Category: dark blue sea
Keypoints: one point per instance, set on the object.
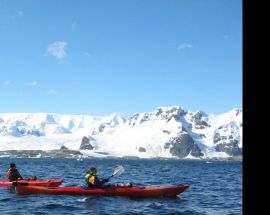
(216, 186)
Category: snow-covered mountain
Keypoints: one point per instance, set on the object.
(166, 132)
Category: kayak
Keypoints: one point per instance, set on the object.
(136, 192)
(44, 183)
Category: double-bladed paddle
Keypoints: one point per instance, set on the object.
(117, 171)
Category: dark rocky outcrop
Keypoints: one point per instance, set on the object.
(231, 148)
(172, 113)
(199, 122)
(100, 128)
(102, 153)
(85, 144)
(142, 149)
(183, 145)
(133, 119)
(228, 144)
(202, 135)
(166, 132)
(63, 147)
(160, 113)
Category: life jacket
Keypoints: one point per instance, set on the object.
(90, 180)
(13, 174)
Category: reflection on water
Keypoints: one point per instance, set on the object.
(90, 204)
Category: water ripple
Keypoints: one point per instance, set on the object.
(216, 187)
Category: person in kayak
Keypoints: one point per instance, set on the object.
(13, 174)
(92, 180)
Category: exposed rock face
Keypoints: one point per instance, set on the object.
(181, 132)
(183, 145)
(227, 141)
(63, 148)
(100, 128)
(85, 144)
(113, 122)
(142, 149)
(230, 148)
(171, 113)
(159, 114)
(166, 132)
(198, 119)
(133, 119)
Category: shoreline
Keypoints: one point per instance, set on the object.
(67, 153)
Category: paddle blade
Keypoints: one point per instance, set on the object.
(118, 170)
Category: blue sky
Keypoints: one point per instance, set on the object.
(101, 57)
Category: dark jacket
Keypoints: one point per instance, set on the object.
(13, 174)
(92, 181)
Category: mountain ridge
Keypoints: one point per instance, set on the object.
(169, 132)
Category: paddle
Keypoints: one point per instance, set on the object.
(117, 171)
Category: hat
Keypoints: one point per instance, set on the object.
(92, 170)
(12, 165)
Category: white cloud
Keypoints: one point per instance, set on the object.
(73, 25)
(20, 13)
(33, 83)
(6, 83)
(51, 92)
(57, 49)
(184, 46)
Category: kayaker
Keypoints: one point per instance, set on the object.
(13, 174)
(92, 180)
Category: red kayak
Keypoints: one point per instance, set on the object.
(44, 183)
(136, 192)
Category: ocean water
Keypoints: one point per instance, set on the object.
(216, 186)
